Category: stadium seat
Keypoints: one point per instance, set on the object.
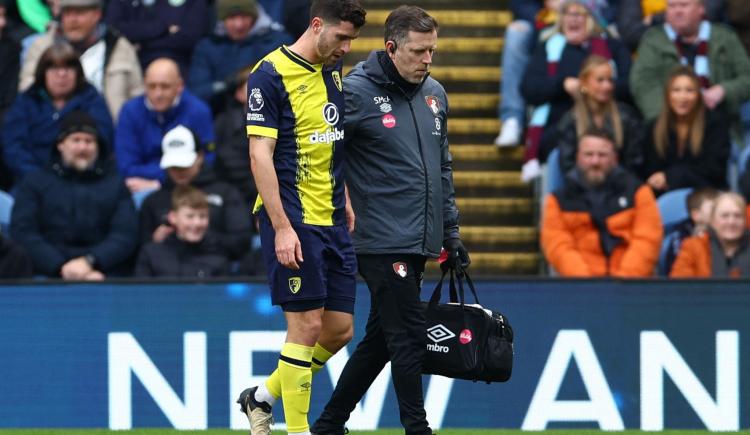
(6, 206)
(139, 196)
(673, 207)
(666, 245)
(743, 160)
(555, 178)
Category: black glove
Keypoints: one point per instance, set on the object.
(458, 256)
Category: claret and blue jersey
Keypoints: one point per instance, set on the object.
(301, 105)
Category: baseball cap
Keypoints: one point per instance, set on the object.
(80, 4)
(227, 8)
(179, 148)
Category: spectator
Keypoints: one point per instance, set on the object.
(75, 217)
(9, 66)
(687, 145)
(595, 106)
(109, 60)
(145, 119)
(183, 160)
(551, 79)
(190, 250)
(724, 250)
(700, 204)
(232, 157)
(14, 261)
(160, 28)
(250, 35)
(714, 52)
(31, 124)
(519, 37)
(636, 16)
(603, 222)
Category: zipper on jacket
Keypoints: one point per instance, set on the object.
(424, 169)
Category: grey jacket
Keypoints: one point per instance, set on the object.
(398, 168)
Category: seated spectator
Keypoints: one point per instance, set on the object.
(712, 50)
(551, 79)
(724, 250)
(603, 222)
(700, 204)
(249, 36)
(14, 261)
(232, 157)
(637, 16)
(519, 41)
(183, 159)
(9, 67)
(595, 106)
(687, 145)
(160, 28)
(31, 125)
(144, 120)
(75, 217)
(190, 250)
(109, 60)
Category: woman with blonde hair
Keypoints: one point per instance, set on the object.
(724, 250)
(688, 144)
(595, 106)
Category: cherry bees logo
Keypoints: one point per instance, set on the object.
(465, 337)
(433, 103)
(400, 269)
(295, 284)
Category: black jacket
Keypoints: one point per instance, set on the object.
(398, 165)
(60, 214)
(707, 169)
(177, 258)
(232, 159)
(229, 214)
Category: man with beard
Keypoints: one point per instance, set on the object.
(604, 221)
(295, 125)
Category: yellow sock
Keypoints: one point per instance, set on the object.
(295, 375)
(319, 358)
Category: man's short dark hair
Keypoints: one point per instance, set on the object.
(335, 11)
(404, 19)
(600, 133)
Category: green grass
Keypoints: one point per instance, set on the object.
(378, 432)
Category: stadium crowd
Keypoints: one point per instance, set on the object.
(123, 138)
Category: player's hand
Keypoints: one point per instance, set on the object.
(350, 217)
(288, 248)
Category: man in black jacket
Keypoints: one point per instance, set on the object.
(400, 183)
(182, 158)
(76, 218)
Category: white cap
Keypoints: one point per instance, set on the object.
(179, 148)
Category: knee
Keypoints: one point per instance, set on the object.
(346, 335)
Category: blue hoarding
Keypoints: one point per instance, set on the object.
(599, 354)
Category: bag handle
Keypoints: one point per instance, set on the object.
(455, 297)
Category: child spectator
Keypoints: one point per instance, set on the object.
(190, 251)
(700, 204)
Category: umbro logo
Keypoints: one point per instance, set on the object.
(439, 333)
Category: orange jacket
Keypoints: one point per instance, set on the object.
(571, 241)
(694, 258)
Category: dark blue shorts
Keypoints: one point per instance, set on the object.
(326, 279)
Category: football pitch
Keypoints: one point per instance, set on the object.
(376, 432)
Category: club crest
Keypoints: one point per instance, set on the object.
(400, 269)
(295, 284)
(337, 80)
(433, 104)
